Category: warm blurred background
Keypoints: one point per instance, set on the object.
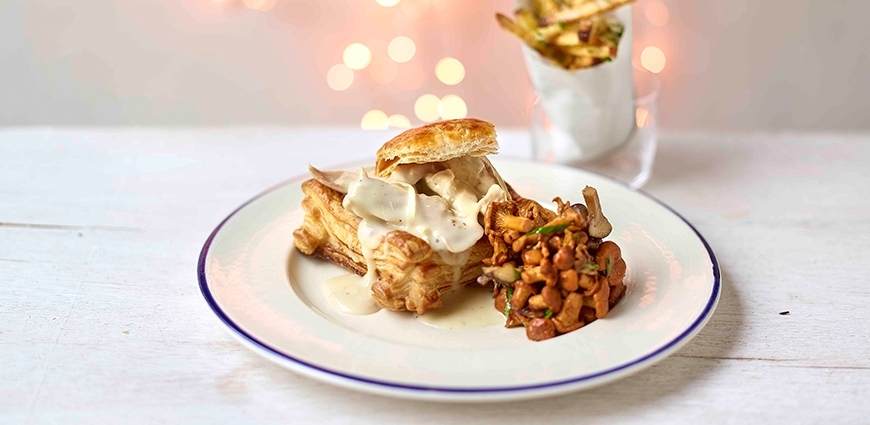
(737, 64)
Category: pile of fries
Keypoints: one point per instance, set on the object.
(572, 34)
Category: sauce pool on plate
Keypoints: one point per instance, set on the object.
(470, 307)
(349, 294)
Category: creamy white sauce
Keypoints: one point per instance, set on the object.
(410, 174)
(445, 223)
(469, 307)
(447, 217)
(348, 294)
(466, 308)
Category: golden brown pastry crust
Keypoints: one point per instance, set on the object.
(437, 142)
(411, 276)
(328, 230)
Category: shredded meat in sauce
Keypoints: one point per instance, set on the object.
(552, 272)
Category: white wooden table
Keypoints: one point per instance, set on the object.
(101, 319)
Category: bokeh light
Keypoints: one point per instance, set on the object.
(374, 120)
(268, 5)
(357, 56)
(450, 71)
(254, 4)
(339, 77)
(387, 3)
(398, 121)
(657, 13)
(653, 59)
(401, 49)
(427, 107)
(452, 107)
(640, 117)
(261, 5)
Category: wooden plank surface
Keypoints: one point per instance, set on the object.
(101, 319)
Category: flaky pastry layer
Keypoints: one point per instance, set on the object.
(411, 276)
(437, 142)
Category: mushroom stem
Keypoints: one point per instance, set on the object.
(520, 224)
(599, 227)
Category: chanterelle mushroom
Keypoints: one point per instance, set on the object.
(519, 215)
(553, 272)
(599, 227)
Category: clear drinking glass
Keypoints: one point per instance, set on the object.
(628, 159)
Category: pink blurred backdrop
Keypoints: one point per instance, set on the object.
(741, 64)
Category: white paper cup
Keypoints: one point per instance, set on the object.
(590, 111)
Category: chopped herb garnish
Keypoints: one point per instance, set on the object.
(517, 275)
(561, 25)
(590, 266)
(608, 59)
(507, 304)
(546, 230)
(607, 261)
(548, 314)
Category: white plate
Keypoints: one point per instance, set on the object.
(270, 297)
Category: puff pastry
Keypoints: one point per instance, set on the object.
(439, 167)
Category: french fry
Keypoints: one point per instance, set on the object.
(585, 30)
(551, 31)
(583, 10)
(584, 39)
(528, 37)
(535, 7)
(526, 19)
(590, 51)
(543, 8)
(580, 62)
(567, 39)
(610, 33)
(598, 25)
(512, 27)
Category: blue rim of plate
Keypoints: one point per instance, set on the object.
(690, 331)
